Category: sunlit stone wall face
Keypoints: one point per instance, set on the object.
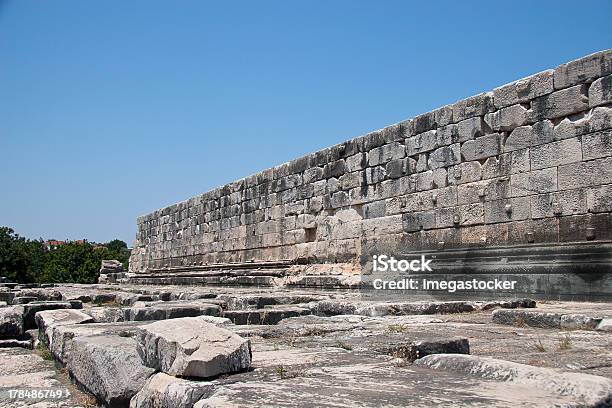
(527, 163)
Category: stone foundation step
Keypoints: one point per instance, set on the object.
(264, 316)
(589, 390)
(547, 320)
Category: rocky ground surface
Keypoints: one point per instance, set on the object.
(176, 346)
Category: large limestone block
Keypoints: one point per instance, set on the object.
(47, 319)
(11, 321)
(192, 347)
(30, 310)
(108, 367)
(165, 391)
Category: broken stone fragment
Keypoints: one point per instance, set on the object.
(11, 321)
(165, 391)
(108, 367)
(192, 347)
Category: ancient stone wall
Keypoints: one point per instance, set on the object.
(529, 163)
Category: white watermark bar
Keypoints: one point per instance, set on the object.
(450, 286)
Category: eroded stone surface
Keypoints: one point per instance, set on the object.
(191, 347)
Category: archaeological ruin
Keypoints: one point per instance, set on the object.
(516, 182)
(276, 290)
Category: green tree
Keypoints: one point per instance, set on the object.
(21, 260)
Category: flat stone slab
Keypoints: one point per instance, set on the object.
(545, 319)
(192, 347)
(47, 319)
(264, 316)
(25, 369)
(334, 307)
(297, 377)
(587, 389)
(30, 310)
(163, 390)
(108, 367)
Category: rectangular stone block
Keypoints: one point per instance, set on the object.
(507, 118)
(587, 227)
(513, 209)
(375, 209)
(350, 180)
(560, 103)
(469, 214)
(423, 123)
(598, 119)
(385, 153)
(383, 226)
(445, 156)
(600, 91)
(375, 174)
(556, 153)
(334, 169)
(482, 147)
(470, 128)
(476, 105)
(424, 181)
(356, 162)
(421, 143)
(485, 190)
(585, 174)
(524, 89)
(444, 197)
(533, 182)
(465, 172)
(440, 177)
(447, 135)
(517, 161)
(597, 145)
(444, 115)
(418, 202)
(400, 167)
(584, 69)
(599, 199)
(569, 202)
(416, 221)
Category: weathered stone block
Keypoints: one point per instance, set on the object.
(568, 202)
(465, 172)
(385, 153)
(418, 202)
(416, 221)
(420, 143)
(469, 214)
(424, 181)
(350, 180)
(585, 227)
(482, 147)
(444, 115)
(374, 210)
(585, 174)
(440, 177)
(597, 119)
(556, 153)
(356, 162)
(444, 197)
(517, 161)
(507, 210)
(470, 128)
(191, 347)
(584, 69)
(533, 182)
(476, 105)
(560, 103)
(524, 89)
(334, 169)
(599, 199)
(597, 145)
(424, 122)
(313, 174)
(447, 135)
(375, 174)
(600, 91)
(400, 167)
(507, 118)
(445, 156)
(485, 190)
(526, 136)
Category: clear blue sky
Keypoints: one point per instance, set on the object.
(112, 109)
